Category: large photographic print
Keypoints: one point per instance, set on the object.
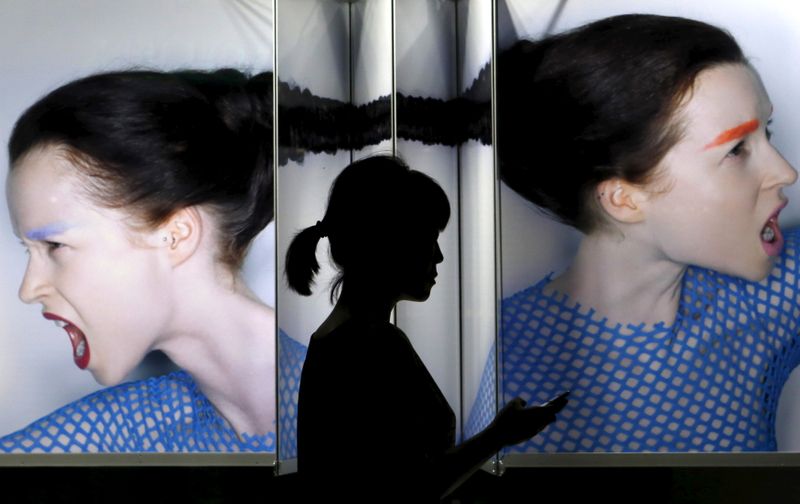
(137, 218)
(714, 375)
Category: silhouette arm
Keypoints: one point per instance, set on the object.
(513, 424)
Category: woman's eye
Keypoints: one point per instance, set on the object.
(52, 246)
(737, 150)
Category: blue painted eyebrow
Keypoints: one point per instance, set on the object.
(44, 232)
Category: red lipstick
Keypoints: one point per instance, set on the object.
(80, 345)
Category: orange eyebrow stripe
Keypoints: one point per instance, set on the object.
(734, 133)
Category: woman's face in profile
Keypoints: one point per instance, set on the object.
(718, 191)
(416, 270)
(93, 274)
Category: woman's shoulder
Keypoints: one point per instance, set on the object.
(355, 348)
(355, 332)
(533, 297)
(289, 345)
(788, 260)
(533, 290)
(792, 233)
(138, 395)
(791, 248)
(161, 390)
(105, 420)
(291, 355)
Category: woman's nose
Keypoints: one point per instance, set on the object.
(33, 284)
(782, 173)
(438, 257)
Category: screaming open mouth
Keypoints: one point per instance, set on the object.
(80, 346)
(770, 231)
(771, 236)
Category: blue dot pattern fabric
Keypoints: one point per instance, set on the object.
(709, 382)
(162, 414)
(291, 355)
(483, 408)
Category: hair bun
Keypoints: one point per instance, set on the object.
(156, 142)
(244, 105)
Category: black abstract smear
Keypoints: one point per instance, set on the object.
(309, 123)
(315, 124)
(451, 122)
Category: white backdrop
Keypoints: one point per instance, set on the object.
(44, 44)
(766, 31)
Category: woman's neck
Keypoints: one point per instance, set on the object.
(623, 278)
(225, 338)
(358, 304)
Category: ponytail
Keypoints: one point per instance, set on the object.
(301, 259)
(370, 200)
(244, 104)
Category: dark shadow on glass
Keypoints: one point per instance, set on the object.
(448, 122)
(316, 124)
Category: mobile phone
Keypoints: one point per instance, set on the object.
(562, 395)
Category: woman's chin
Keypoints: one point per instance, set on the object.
(755, 272)
(418, 296)
(106, 379)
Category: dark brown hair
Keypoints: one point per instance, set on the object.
(598, 102)
(153, 143)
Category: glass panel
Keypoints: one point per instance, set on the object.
(373, 72)
(477, 193)
(334, 74)
(426, 84)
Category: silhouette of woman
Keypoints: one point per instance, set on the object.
(364, 392)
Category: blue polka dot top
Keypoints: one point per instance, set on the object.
(708, 382)
(162, 414)
(167, 413)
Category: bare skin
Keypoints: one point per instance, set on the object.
(715, 192)
(131, 290)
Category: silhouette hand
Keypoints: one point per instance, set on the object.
(515, 423)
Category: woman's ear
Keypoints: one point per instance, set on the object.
(621, 200)
(181, 234)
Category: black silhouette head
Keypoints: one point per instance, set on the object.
(383, 220)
